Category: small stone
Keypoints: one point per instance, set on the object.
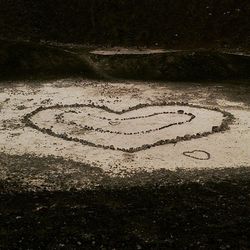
(178, 138)
(187, 137)
(215, 129)
(180, 111)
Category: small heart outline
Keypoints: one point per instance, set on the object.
(187, 154)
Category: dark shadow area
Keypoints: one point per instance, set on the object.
(171, 23)
(35, 61)
(200, 65)
(196, 209)
(27, 60)
(212, 215)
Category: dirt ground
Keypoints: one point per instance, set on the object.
(208, 210)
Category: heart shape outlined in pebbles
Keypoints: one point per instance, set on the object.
(198, 154)
(117, 130)
(126, 130)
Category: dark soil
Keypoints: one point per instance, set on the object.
(213, 215)
(199, 209)
(171, 23)
(27, 60)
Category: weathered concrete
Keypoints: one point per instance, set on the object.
(225, 143)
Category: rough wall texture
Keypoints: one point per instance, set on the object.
(30, 60)
(190, 23)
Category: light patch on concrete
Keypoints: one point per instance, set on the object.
(227, 149)
(129, 51)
